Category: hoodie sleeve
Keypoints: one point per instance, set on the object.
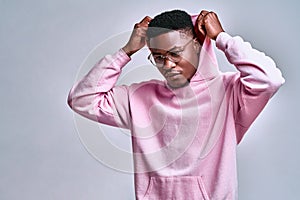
(96, 97)
(258, 80)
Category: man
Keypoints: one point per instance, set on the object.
(185, 129)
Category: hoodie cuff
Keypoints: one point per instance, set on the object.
(221, 40)
(124, 55)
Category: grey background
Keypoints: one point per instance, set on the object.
(42, 45)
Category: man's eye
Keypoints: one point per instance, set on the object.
(158, 58)
(175, 54)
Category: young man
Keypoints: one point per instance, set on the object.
(185, 129)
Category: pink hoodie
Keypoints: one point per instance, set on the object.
(184, 140)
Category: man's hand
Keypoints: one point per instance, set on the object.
(208, 24)
(138, 37)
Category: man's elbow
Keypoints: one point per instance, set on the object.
(70, 101)
(276, 81)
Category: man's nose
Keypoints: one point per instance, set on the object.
(169, 64)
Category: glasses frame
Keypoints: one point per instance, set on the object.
(167, 56)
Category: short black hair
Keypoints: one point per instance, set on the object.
(170, 20)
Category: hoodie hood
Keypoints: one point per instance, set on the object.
(208, 65)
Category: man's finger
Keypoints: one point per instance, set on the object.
(201, 16)
(146, 20)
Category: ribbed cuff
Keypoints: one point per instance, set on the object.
(124, 55)
(221, 40)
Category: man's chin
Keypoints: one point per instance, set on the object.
(177, 85)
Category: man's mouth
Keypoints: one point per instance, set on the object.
(172, 73)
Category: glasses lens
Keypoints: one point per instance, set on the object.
(159, 59)
(156, 60)
(174, 56)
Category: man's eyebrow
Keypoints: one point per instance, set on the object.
(174, 48)
(170, 50)
(156, 53)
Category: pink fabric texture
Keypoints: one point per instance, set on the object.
(184, 140)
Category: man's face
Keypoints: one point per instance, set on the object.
(176, 55)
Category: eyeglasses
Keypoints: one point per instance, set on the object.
(175, 56)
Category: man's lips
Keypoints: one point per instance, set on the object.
(172, 73)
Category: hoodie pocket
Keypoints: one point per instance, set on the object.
(176, 188)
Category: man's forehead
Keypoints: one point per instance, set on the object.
(168, 40)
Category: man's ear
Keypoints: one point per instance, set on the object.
(200, 31)
(200, 36)
(147, 41)
(197, 45)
